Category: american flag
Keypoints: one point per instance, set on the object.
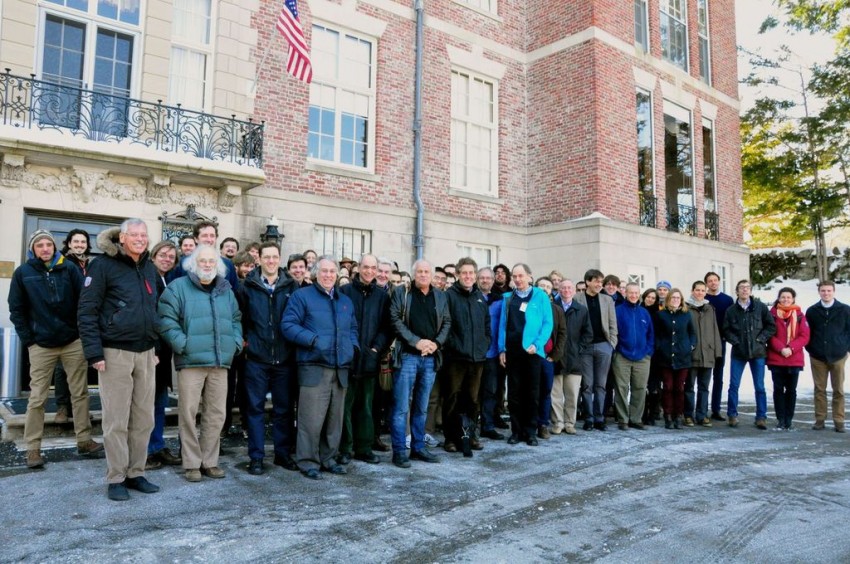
(289, 25)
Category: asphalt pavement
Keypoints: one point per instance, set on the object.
(700, 494)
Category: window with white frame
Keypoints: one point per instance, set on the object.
(88, 44)
(341, 241)
(482, 255)
(709, 188)
(674, 32)
(342, 98)
(483, 5)
(642, 25)
(678, 169)
(474, 134)
(724, 271)
(704, 45)
(191, 54)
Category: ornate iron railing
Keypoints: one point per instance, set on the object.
(36, 104)
(712, 225)
(682, 219)
(648, 209)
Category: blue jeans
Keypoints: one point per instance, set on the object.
(279, 379)
(413, 380)
(697, 406)
(737, 371)
(157, 440)
(547, 378)
(595, 365)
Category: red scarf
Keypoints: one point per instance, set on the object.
(790, 314)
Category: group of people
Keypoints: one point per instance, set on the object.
(446, 343)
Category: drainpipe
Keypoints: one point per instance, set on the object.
(419, 234)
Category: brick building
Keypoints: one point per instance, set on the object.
(566, 133)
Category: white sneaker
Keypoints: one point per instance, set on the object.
(430, 441)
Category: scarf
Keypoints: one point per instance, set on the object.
(692, 301)
(790, 315)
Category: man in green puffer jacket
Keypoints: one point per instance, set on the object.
(200, 319)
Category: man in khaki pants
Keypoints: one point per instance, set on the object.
(43, 299)
(117, 321)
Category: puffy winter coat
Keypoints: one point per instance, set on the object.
(323, 327)
(372, 311)
(635, 334)
(203, 328)
(779, 341)
(118, 301)
(43, 302)
(748, 330)
(709, 346)
(675, 338)
(469, 337)
(262, 312)
(829, 327)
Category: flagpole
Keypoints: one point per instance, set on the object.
(261, 65)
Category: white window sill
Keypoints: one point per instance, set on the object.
(474, 196)
(475, 9)
(330, 168)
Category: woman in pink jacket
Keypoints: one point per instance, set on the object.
(785, 354)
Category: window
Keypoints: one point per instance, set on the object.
(191, 53)
(712, 223)
(342, 99)
(723, 269)
(645, 159)
(80, 47)
(641, 25)
(704, 45)
(341, 241)
(482, 255)
(678, 169)
(474, 141)
(483, 5)
(674, 32)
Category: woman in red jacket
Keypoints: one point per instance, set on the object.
(785, 354)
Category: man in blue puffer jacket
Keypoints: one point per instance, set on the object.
(320, 321)
(635, 345)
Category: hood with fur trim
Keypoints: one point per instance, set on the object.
(108, 242)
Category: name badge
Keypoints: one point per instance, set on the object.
(523, 306)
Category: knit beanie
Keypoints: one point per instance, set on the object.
(38, 235)
(664, 284)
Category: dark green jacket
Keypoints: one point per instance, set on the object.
(204, 328)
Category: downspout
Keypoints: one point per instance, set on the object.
(419, 234)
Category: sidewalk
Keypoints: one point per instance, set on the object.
(718, 494)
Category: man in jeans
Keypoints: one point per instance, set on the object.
(43, 299)
(421, 321)
(748, 326)
(829, 323)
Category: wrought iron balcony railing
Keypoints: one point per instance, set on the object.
(682, 219)
(35, 104)
(647, 208)
(712, 225)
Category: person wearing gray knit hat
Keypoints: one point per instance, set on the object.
(37, 236)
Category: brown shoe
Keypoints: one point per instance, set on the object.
(34, 459)
(706, 422)
(475, 444)
(214, 472)
(819, 425)
(570, 430)
(152, 463)
(761, 424)
(380, 445)
(89, 448)
(543, 432)
(192, 475)
(61, 415)
(839, 427)
(166, 457)
(732, 421)
(449, 446)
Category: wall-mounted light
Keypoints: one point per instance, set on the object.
(272, 233)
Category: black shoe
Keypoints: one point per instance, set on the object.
(501, 424)
(285, 461)
(401, 460)
(368, 457)
(117, 492)
(343, 458)
(140, 483)
(255, 467)
(337, 469)
(531, 441)
(588, 426)
(312, 473)
(600, 426)
(717, 417)
(622, 426)
(424, 455)
(513, 439)
(493, 434)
